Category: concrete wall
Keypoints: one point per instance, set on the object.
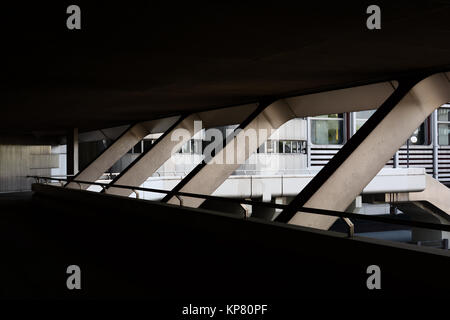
(16, 162)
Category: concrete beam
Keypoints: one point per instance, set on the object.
(208, 176)
(151, 160)
(118, 148)
(335, 101)
(342, 100)
(359, 98)
(363, 156)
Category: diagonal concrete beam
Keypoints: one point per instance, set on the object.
(151, 160)
(206, 178)
(118, 148)
(160, 151)
(363, 156)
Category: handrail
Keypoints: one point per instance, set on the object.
(340, 214)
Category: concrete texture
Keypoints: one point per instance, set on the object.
(348, 181)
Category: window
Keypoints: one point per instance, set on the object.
(262, 148)
(327, 129)
(193, 146)
(137, 148)
(283, 146)
(420, 133)
(272, 146)
(444, 126)
(186, 148)
(147, 144)
(362, 116)
(196, 146)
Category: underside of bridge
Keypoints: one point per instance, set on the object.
(168, 74)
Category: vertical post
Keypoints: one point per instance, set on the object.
(352, 124)
(308, 142)
(396, 160)
(72, 151)
(407, 153)
(435, 142)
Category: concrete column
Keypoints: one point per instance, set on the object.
(118, 148)
(72, 152)
(207, 177)
(358, 162)
(355, 206)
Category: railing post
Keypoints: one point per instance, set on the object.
(351, 227)
(308, 142)
(180, 199)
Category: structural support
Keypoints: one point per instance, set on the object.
(128, 139)
(163, 148)
(363, 156)
(207, 178)
(150, 160)
(72, 152)
(209, 175)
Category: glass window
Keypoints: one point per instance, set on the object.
(271, 146)
(444, 126)
(444, 134)
(262, 148)
(138, 148)
(198, 146)
(281, 146)
(444, 114)
(287, 147)
(362, 116)
(331, 116)
(193, 146)
(327, 129)
(186, 148)
(420, 137)
(295, 146)
(147, 144)
(419, 133)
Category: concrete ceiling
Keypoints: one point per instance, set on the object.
(139, 62)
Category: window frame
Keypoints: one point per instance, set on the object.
(344, 126)
(447, 122)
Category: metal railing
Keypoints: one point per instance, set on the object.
(345, 216)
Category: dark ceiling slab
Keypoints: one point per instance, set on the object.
(138, 62)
